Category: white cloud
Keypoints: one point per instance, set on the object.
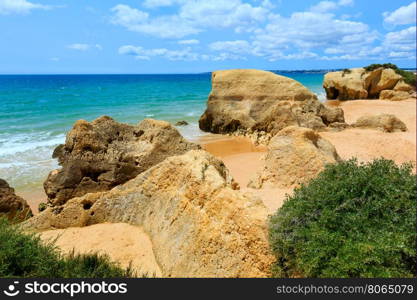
(186, 54)
(19, 7)
(316, 33)
(139, 21)
(128, 16)
(54, 59)
(398, 55)
(323, 6)
(146, 54)
(220, 13)
(326, 6)
(226, 56)
(401, 41)
(160, 3)
(395, 45)
(238, 46)
(346, 2)
(188, 42)
(402, 16)
(84, 47)
(304, 31)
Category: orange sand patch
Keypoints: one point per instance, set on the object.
(123, 243)
(244, 160)
(367, 144)
(33, 197)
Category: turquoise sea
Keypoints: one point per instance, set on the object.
(36, 111)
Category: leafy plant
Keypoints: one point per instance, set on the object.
(353, 220)
(346, 71)
(25, 255)
(42, 206)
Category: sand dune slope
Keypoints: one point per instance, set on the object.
(123, 243)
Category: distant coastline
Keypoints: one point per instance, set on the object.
(306, 71)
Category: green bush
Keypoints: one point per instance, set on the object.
(346, 71)
(42, 206)
(408, 77)
(25, 255)
(353, 220)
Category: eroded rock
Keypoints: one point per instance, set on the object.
(393, 95)
(383, 122)
(200, 224)
(295, 155)
(100, 155)
(357, 83)
(12, 206)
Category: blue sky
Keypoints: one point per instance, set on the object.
(188, 36)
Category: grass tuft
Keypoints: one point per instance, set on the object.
(26, 255)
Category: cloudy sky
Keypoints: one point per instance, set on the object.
(187, 36)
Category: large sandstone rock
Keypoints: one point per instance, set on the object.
(360, 84)
(387, 81)
(295, 155)
(383, 122)
(100, 155)
(12, 206)
(393, 95)
(404, 87)
(253, 100)
(345, 85)
(199, 223)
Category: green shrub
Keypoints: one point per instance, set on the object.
(25, 255)
(346, 71)
(353, 220)
(42, 206)
(408, 77)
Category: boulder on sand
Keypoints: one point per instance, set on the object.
(358, 83)
(383, 122)
(345, 85)
(100, 155)
(12, 206)
(254, 100)
(393, 95)
(295, 155)
(200, 225)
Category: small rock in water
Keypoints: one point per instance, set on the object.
(181, 123)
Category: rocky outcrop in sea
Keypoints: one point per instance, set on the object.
(260, 101)
(358, 83)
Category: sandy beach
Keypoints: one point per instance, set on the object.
(367, 144)
(126, 244)
(130, 244)
(244, 159)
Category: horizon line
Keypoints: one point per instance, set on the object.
(191, 73)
